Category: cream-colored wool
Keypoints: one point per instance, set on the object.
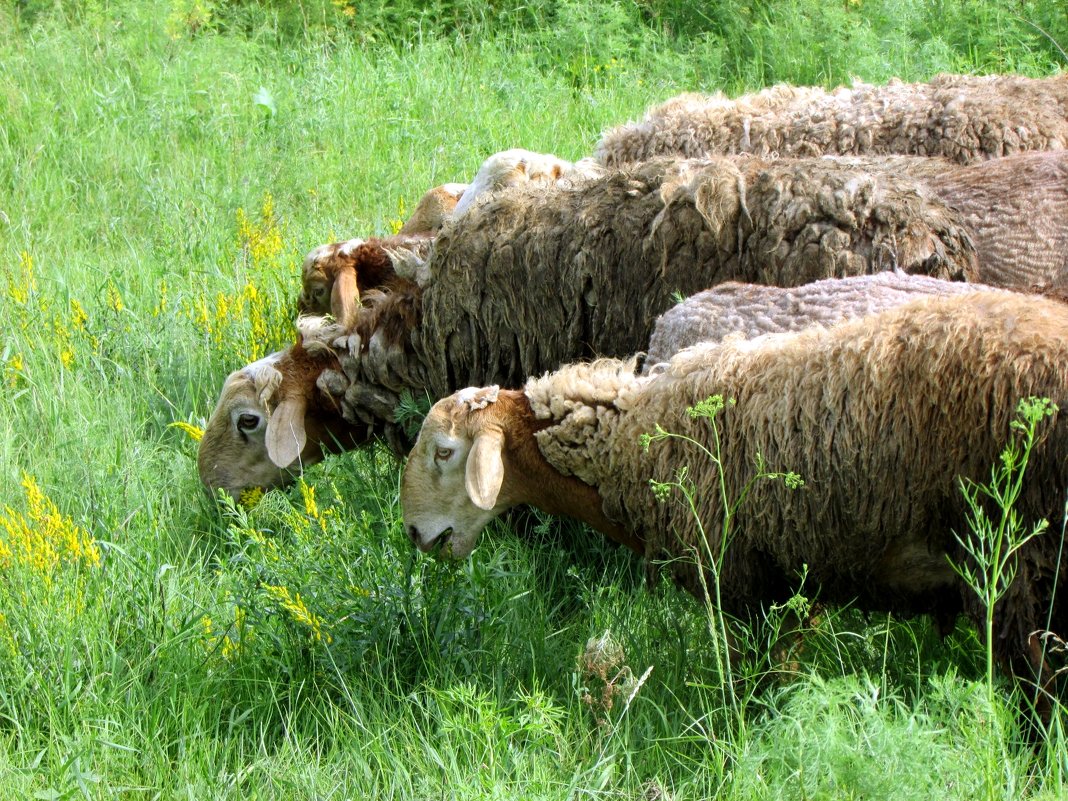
(964, 118)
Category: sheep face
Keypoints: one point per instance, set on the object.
(452, 482)
(261, 432)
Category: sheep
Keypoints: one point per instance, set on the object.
(880, 416)
(965, 118)
(532, 278)
(517, 166)
(751, 310)
(1015, 210)
(273, 417)
(333, 276)
(433, 209)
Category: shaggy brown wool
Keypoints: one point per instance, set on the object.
(538, 276)
(965, 118)
(879, 416)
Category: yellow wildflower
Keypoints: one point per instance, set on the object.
(298, 610)
(114, 298)
(195, 433)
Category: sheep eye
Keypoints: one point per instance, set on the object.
(441, 454)
(248, 422)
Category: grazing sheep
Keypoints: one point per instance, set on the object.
(433, 209)
(965, 118)
(274, 416)
(531, 279)
(880, 416)
(752, 310)
(334, 276)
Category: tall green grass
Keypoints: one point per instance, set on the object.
(161, 176)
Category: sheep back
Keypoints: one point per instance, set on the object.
(752, 310)
(539, 276)
(965, 118)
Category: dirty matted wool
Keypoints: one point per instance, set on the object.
(964, 118)
(879, 416)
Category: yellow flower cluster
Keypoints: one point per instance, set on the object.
(398, 222)
(13, 368)
(195, 433)
(22, 283)
(298, 611)
(229, 647)
(346, 7)
(247, 323)
(262, 241)
(42, 539)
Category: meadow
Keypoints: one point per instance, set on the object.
(164, 168)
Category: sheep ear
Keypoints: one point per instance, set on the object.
(485, 469)
(285, 432)
(344, 296)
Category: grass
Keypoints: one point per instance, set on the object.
(160, 182)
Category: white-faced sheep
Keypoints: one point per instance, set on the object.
(965, 118)
(881, 417)
(274, 416)
(751, 310)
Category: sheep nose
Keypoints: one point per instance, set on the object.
(413, 535)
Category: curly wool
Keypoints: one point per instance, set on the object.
(965, 118)
(537, 276)
(751, 310)
(878, 415)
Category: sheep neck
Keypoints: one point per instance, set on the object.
(530, 479)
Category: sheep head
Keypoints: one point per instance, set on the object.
(273, 418)
(335, 276)
(433, 209)
(454, 481)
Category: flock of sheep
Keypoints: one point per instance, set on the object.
(875, 276)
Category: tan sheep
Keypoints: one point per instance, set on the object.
(274, 417)
(880, 416)
(433, 209)
(965, 118)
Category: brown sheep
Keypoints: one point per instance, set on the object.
(433, 209)
(334, 276)
(274, 416)
(880, 416)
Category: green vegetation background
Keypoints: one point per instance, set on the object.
(163, 169)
